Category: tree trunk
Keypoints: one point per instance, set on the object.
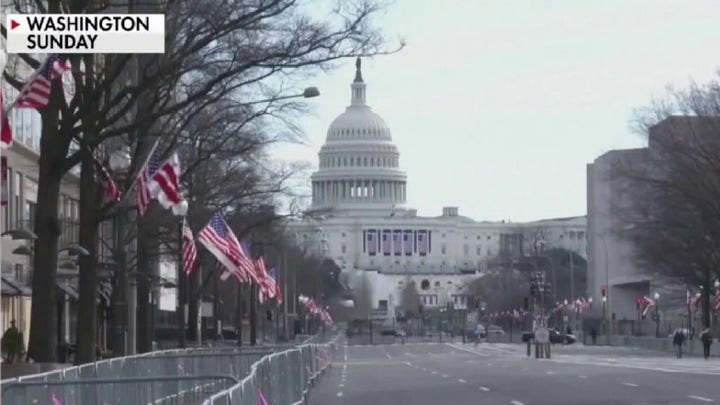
(87, 305)
(53, 149)
(145, 329)
(193, 303)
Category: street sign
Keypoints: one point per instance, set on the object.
(542, 335)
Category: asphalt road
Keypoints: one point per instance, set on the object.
(455, 374)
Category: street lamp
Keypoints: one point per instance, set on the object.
(123, 305)
(308, 92)
(180, 210)
(657, 315)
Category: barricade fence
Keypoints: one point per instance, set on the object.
(280, 378)
(178, 376)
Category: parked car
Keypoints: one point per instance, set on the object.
(494, 330)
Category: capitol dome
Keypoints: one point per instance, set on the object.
(359, 165)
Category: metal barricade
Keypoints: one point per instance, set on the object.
(283, 377)
(178, 376)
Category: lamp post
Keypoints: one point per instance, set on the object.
(123, 324)
(308, 92)
(565, 320)
(657, 315)
(180, 210)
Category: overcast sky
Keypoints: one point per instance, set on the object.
(497, 106)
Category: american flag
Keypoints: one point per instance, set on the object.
(36, 92)
(717, 300)
(220, 240)
(189, 250)
(386, 244)
(422, 242)
(272, 288)
(225, 274)
(146, 173)
(277, 291)
(397, 243)
(112, 192)
(261, 274)
(164, 185)
(371, 243)
(407, 243)
(5, 130)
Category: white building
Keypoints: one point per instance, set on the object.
(360, 219)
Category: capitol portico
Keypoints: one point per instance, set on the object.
(360, 219)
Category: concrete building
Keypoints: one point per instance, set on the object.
(360, 219)
(611, 259)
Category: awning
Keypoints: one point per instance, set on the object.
(13, 288)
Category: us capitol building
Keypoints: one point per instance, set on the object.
(360, 219)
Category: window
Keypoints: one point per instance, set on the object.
(425, 284)
(343, 249)
(365, 161)
(442, 249)
(489, 252)
(466, 249)
(437, 284)
(343, 234)
(489, 237)
(479, 250)
(477, 237)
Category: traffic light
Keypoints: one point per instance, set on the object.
(533, 289)
(526, 303)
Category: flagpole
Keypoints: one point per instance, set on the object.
(147, 159)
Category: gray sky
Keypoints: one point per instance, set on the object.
(497, 106)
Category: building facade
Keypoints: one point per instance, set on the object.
(611, 262)
(359, 218)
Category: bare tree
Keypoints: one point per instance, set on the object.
(532, 239)
(671, 190)
(363, 297)
(501, 290)
(410, 298)
(215, 48)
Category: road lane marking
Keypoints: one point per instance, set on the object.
(700, 398)
(489, 364)
(445, 376)
(461, 380)
(339, 394)
(630, 384)
(582, 376)
(486, 389)
(516, 403)
(434, 372)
